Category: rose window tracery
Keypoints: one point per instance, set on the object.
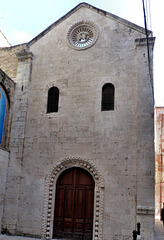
(82, 35)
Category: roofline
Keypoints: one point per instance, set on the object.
(120, 20)
(95, 9)
(13, 46)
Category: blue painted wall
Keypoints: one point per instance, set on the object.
(2, 113)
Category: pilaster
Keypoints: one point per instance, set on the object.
(145, 137)
(22, 91)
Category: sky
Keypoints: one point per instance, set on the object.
(22, 20)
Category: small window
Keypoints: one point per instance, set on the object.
(107, 97)
(53, 100)
(3, 115)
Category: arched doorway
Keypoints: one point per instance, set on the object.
(73, 217)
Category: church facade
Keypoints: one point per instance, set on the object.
(77, 143)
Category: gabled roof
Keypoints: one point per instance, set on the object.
(97, 10)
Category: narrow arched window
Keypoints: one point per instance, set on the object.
(107, 97)
(53, 100)
(3, 115)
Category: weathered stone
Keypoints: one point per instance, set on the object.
(115, 147)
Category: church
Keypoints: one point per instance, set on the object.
(77, 130)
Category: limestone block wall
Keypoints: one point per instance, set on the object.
(4, 160)
(145, 134)
(8, 59)
(8, 85)
(17, 140)
(116, 143)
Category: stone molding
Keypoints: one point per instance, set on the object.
(143, 41)
(144, 210)
(24, 55)
(49, 195)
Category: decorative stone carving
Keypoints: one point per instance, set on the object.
(49, 196)
(82, 35)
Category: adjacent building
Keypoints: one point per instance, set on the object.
(159, 161)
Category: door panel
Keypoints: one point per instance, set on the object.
(59, 211)
(89, 204)
(67, 179)
(73, 218)
(89, 211)
(79, 213)
(68, 210)
(84, 179)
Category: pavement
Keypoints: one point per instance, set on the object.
(7, 237)
(159, 230)
(158, 233)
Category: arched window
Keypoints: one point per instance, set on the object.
(3, 114)
(107, 97)
(53, 100)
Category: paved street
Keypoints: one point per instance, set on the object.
(159, 230)
(159, 233)
(5, 237)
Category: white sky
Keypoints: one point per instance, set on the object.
(20, 21)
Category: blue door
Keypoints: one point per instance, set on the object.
(2, 114)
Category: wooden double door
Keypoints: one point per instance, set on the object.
(73, 217)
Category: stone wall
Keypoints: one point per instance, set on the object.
(8, 86)
(4, 160)
(8, 59)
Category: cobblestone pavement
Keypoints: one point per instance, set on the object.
(158, 234)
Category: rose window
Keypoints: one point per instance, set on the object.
(82, 35)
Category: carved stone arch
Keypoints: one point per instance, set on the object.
(8, 86)
(50, 189)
